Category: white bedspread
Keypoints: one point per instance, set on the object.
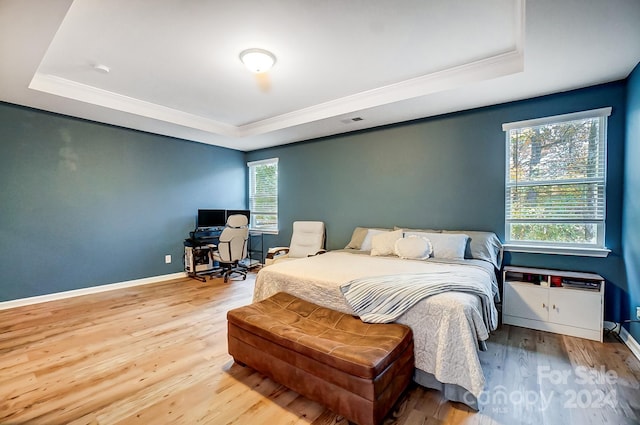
(446, 327)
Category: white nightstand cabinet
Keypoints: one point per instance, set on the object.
(531, 302)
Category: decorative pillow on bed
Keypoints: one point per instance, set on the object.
(359, 233)
(445, 245)
(366, 243)
(413, 248)
(384, 243)
(482, 246)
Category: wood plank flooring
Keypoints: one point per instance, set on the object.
(157, 354)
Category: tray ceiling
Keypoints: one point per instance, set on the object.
(173, 67)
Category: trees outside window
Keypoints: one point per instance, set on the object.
(556, 180)
(263, 194)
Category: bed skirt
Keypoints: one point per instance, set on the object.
(450, 392)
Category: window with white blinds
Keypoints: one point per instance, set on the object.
(556, 180)
(263, 194)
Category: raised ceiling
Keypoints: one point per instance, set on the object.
(174, 67)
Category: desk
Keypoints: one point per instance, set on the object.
(255, 249)
(197, 254)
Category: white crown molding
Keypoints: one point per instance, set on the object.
(493, 67)
(499, 65)
(73, 90)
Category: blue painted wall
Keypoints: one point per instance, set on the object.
(85, 204)
(442, 172)
(631, 216)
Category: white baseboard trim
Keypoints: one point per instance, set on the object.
(630, 342)
(4, 305)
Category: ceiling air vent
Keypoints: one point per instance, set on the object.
(351, 120)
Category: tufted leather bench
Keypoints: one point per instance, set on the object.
(356, 369)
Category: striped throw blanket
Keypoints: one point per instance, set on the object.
(382, 299)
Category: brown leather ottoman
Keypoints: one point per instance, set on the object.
(356, 369)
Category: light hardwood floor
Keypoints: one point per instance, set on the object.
(157, 354)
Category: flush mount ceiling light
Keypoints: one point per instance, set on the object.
(257, 60)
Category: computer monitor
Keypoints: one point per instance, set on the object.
(246, 213)
(211, 218)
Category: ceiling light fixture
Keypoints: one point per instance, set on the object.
(257, 60)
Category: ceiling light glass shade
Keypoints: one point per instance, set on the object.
(257, 60)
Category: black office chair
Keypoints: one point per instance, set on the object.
(232, 247)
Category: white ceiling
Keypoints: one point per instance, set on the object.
(175, 70)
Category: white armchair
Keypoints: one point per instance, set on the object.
(307, 240)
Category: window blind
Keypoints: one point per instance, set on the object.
(263, 194)
(556, 180)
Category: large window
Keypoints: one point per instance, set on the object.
(263, 194)
(556, 181)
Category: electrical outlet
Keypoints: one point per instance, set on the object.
(167, 259)
(638, 313)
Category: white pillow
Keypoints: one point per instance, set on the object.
(366, 243)
(413, 248)
(384, 243)
(445, 245)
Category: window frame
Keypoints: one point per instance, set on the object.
(598, 249)
(252, 168)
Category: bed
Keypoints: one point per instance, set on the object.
(449, 328)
